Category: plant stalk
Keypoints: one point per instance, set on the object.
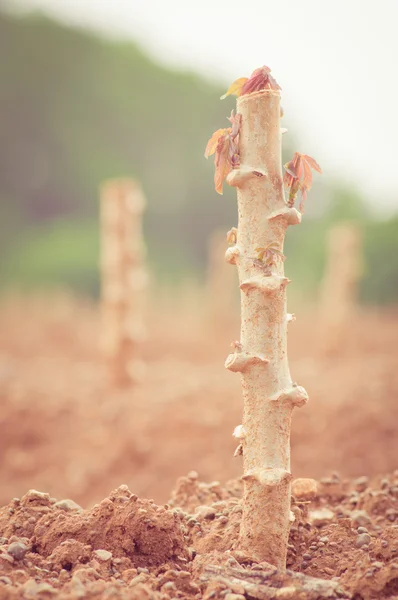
(269, 393)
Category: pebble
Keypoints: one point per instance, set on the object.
(68, 505)
(17, 550)
(231, 596)
(305, 489)
(360, 517)
(362, 530)
(361, 483)
(307, 556)
(223, 520)
(205, 512)
(103, 555)
(321, 517)
(363, 539)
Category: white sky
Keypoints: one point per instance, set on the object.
(336, 62)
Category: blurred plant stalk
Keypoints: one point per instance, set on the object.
(124, 279)
(339, 289)
(220, 285)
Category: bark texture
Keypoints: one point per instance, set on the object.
(269, 393)
(124, 278)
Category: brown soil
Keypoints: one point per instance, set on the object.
(128, 548)
(66, 430)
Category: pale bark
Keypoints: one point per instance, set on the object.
(269, 393)
(124, 278)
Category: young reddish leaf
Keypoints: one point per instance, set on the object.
(224, 143)
(235, 88)
(222, 161)
(307, 177)
(260, 79)
(298, 177)
(268, 254)
(213, 141)
(236, 121)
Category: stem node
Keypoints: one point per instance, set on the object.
(296, 395)
(232, 254)
(240, 362)
(291, 215)
(238, 177)
(268, 477)
(268, 285)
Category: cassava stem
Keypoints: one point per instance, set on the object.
(269, 393)
(124, 278)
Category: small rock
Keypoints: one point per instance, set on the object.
(103, 555)
(305, 489)
(361, 483)
(234, 597)
(17, 550)
(205, 512)
(362, 530)
(363, 539)
(320, 517)
(6, 580)
(32, 589)
(286, 593)
(68, 505)
(36, 498)
(360, 518)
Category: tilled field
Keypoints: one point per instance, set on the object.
(65, 430)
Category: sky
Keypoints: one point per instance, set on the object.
(335, 61)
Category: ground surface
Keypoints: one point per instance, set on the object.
(65, 430)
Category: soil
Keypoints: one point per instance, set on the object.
(66, 430)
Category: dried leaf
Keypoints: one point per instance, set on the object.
(232, 236)
(235, 89)
(213, 141)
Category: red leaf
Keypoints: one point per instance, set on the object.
(298, 177)
(259, 80)
(223, 162)
(307, 179)
(312, 162)
(225, 144)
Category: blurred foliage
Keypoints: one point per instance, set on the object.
(76, 109)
